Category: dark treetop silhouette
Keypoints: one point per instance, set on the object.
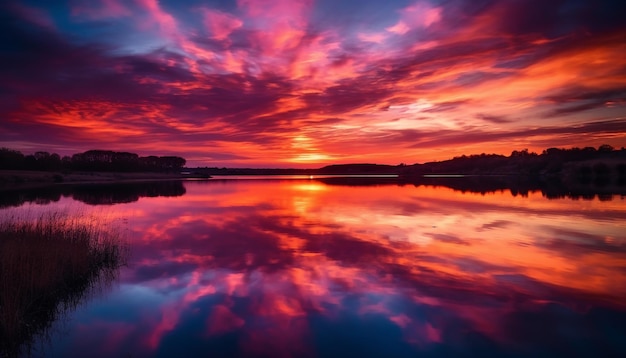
(584, 165)
(91, 160)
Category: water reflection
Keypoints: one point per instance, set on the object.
(303, 268)
(93, 194)
(551, 188)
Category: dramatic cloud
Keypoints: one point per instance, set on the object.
(306, 83)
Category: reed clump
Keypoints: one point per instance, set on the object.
(47, 266)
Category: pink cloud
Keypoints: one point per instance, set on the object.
(220, 24)
(418, 15)
(170, 31)
(377, 38)
(277, 25)
(223, 320)
(166, 22)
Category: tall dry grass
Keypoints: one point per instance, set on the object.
(47, 266)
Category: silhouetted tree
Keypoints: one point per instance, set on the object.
(106, 160)
(170, 163)
(605, 148)
(11, 159)
(521, 153)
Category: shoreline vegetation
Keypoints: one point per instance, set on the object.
(93, 166)
(600, 166)
(556, 172)
(48, 266)
(582, 162)
(33, 178)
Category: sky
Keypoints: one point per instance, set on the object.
(286, 83)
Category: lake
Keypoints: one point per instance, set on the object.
(314, 268)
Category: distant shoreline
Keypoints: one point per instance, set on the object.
(601, 167)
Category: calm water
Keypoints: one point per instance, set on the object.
(305, 269)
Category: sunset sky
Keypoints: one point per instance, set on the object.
(287, 83)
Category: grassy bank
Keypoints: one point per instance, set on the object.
(47, 266)
(20, 178)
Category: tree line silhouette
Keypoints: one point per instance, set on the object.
(585, 164)
(550, 161)
(91, 160)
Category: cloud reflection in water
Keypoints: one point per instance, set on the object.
(300, 268)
